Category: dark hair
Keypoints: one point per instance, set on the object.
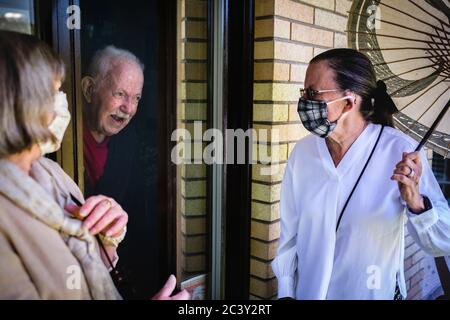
(28, 70)
(354, 72)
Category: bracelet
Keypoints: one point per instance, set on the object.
(113, 241)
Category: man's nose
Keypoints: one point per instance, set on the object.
(127, 106)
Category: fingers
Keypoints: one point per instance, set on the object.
(104, 221)
(116, 228)
(96, 213)
(182, 295)
(167, 289)
(403, 179)
(92, 202)
(71, 208)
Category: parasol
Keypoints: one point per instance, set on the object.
(408, 41)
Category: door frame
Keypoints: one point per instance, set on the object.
(51, 17)
(238, 114)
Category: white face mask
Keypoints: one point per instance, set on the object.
(59, 125)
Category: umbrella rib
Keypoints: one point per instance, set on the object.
(415, 69)
(422, 94)
(396, 24)
(390, 49)
(432, 15)
(411, 16)
(393, 37)
(401, 60)
(432, 104)
(409, 84)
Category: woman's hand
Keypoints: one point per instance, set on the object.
(101, 214)
(407, 173)
(166, 291)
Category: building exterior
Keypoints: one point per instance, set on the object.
(211, 64)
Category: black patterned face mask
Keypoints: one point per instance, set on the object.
(314, 116)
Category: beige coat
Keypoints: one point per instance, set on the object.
(35, 262)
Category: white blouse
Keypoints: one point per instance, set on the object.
(364, 259)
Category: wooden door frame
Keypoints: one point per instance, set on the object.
(51, 27)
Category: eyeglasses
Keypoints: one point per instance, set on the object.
(311, 93)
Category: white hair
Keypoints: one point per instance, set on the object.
(104, 59)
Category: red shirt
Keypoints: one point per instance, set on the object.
(95, 155)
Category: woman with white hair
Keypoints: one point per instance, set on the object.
(48, 248)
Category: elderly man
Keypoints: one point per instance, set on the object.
(113, 164)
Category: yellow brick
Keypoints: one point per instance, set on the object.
(193, 188)
(272, 27)
(195, 51)
(270, 112)
(194, 71)
(194, 111)
(318, 51)
(269, 153)
(330, 20)
(264, 8)
(343, 6)
(326, 4)
(279, 133)
(264, 231)
(263, 250)
(264, 28)
(265, 212)
(195, 9)
(267, 193)
(264, 289)
(285, 92)
(293, 113)
(294, 10)
(264, 50)
(193, 207)
(194, 263)
(191, 226)
(269, 173)
(298, 72)
(276, 92)
(261, 269)
(195, 29)
(196, 91)
(292, 52)
(340, 40)
(312, 35)
(193, 171)
(193, 244)
(271, 71)
(191, 127)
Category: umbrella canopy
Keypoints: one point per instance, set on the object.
(408, 41)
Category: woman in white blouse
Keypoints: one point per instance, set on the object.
(334, 246)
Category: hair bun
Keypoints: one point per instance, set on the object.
(383, 101)
(381, 86)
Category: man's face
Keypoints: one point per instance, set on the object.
(115, 98)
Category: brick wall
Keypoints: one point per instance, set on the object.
(192, 106)
(288, 34)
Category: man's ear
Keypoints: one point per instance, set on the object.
(87, 87)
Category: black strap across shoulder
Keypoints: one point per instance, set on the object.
(359, 178)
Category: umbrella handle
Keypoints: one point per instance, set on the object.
(435, 123)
